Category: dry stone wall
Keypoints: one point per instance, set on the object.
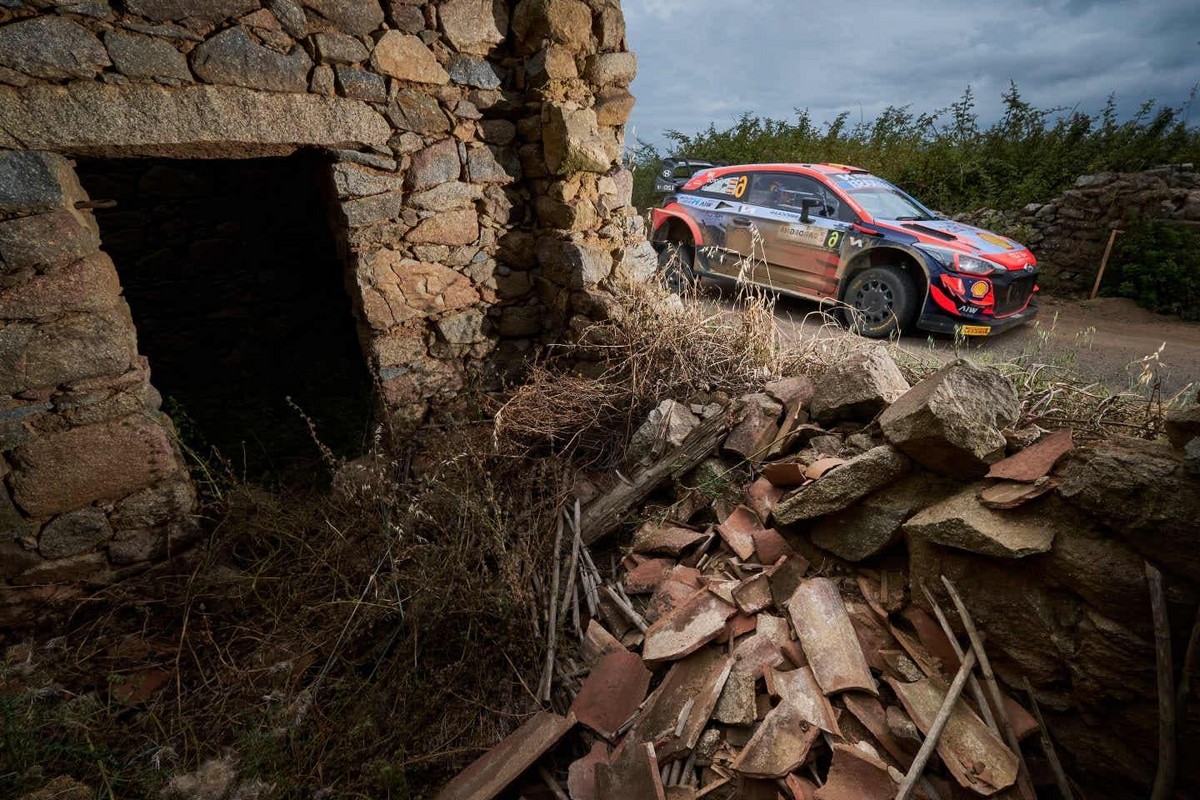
(479, 202)
(1069, 233)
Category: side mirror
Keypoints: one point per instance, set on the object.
(807, 205)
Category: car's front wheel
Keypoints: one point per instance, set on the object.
(676, 262)
(881, 301)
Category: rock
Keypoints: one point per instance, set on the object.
(1191, 458)
(403, 56)
(41, 240)
(172, 10)
(491, 165)
(418, 112)
(845, 485)
(472, 71)
(396, 289)
(571, 140)
(1183, 425)
(321, 81)
(636, 263)
(567, 22)
(370, 210)
(962, 522)
(858, 388)
(89, 284)
(607, 69)
(474, 26)
(146, 57)
(757, 429)
(359, 84)
(614, 106)
(146, 118)
(453, 228)
(232, 57)
(73, 533)
(68, 349)
(52, 47)
(138, 546)
(58, 472)
(551, 64)
(358, 17)
(339, 48)
(290, 16)
(434, 165)
(870, 527)
(445, 196)
(665, 428)
(352, 180)
(574, 264)
(951, 422)
(153, 506)
(31, 181)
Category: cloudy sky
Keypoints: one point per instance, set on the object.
(705, 61)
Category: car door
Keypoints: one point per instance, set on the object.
(799, 252)
(715, 206)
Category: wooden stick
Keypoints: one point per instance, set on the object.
(1060, 775)
(972, 682)
(1164, 779)
(935, 730)
(1189, 665)
(1112, 237)
(633, 616)
(576, 543)
(548, 673)
(1024, 784)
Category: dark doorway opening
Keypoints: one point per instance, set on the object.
(235, 285)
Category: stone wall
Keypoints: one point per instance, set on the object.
(474, 151)
(1071, 231)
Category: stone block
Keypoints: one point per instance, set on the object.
(453, 228)
(465, 327)
(403, 56)
(574, 264)
(522, 320)
(554, 63)
(358, 17)
(567, 22)
(59, 472)
(69, 349)
(154, 505)
(857, 388)
(614, 106)
(611, 69)
(353, 180)
(636, 262)
(371, 210)
(339, 48)
(42, 240)
(232, 57)
(173, 10)
(571, 141)
(435, 164)
(418, 112)
(51, 47)
(290, 16)
(841, 487)
(396, 289)
(474, 71)
(89, 284)
(474, 26)
(446, 196)
(140, 56)
(359, 84)
(419, 382)
(951, 422)
(498, 132)
(492, 165)
(963, 523)
(611, 27)
(406, 17)
(73, 533)
(32, 181)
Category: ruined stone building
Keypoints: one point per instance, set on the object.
(225, 200)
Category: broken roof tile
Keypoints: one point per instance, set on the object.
(668, 540)
(770, 546)
(597, 642)
(785, 474)
(669, 595)
(646, 576)
(612, 693)
(799, 687)
(870, 712)
(581, 775)
(736, 704)
(779, 745)
(488, 775)
(1009, 494)
(1034, 461)
(737, 530)
(687, 628)
(761, 496)
(692, 685)
(856, 775)
(828, 638)
(634, 773)
(818, 468)
(753, 594)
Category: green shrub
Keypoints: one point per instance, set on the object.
(1158, 265)
(946, 159)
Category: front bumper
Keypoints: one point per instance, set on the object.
(936, 320)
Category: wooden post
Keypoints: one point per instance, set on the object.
(1112, 237)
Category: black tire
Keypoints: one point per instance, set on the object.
(676, 262)
(880, 302)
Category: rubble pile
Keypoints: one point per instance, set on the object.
(887, 607)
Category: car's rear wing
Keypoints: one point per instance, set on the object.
(675, 172)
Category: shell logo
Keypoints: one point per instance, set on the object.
(979, 289)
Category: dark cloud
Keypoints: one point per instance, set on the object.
(705, 61)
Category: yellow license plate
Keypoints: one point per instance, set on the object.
(974, 330)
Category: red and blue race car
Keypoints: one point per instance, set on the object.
(842, 236)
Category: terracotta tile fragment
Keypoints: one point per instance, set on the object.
(646, 576)
(856, 775)
(1009, 494)
(933, 638)
(800, 688)
(818, 468)
(786, 578)
(1034, 461)
(597, 641)
(779, 745)
(801, 788)
(785, 474)
(504, 763)
(870, 712)
(761, 496)
(611, 693)
(769, 546)
(738, 531)
(687, 628)
(753, 594)
(828, 638)
(632, 774)
(697, 680)
(581, 775)
(669, 595)
(668, 540)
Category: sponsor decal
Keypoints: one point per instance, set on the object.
(731, 184)
(857, 241)
(811, 235)
(999, 241)
(699, 202)
(858, 181)
(974, 330)
(739, 188)
(968, 311)
(979, 289)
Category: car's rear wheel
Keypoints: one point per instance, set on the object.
(676, 262)
(881, 301)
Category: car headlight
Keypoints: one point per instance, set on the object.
(972, 265)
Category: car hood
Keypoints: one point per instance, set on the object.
(968, 239)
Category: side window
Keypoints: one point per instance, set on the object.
(788, 192)
(728, 185)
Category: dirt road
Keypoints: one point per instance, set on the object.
(1104, 339)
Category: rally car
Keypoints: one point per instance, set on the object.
(844, 237)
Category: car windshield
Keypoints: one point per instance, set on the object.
(890, 203)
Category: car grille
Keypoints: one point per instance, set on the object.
(1012, 298)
